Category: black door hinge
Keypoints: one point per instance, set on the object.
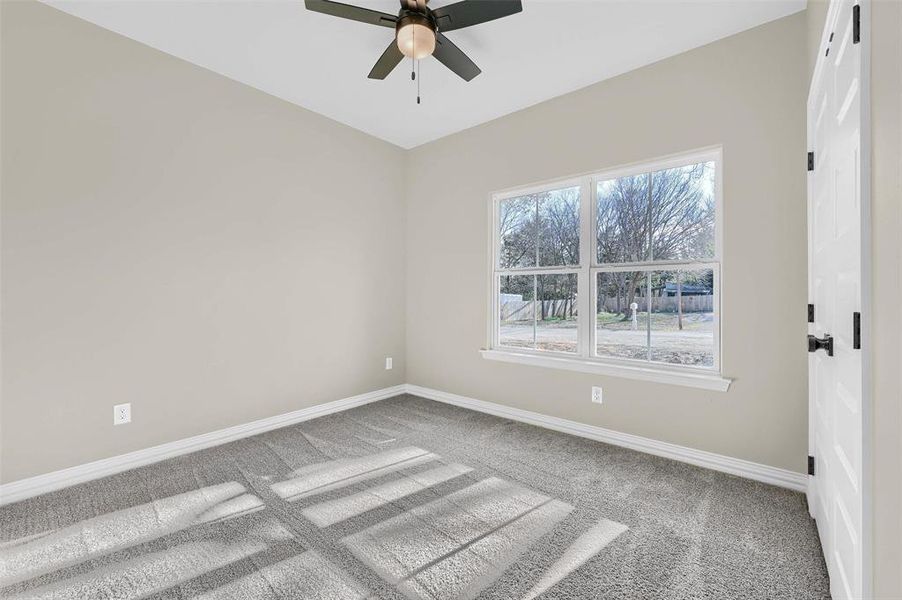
(811, 313)
(856, 331)
(811, 161)
(856, 24)
(811, 465)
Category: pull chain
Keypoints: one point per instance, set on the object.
(415, 65)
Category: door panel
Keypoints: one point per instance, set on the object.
(835, 382)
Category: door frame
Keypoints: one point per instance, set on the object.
(866, 542)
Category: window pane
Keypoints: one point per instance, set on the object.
(517, 231)
(559, 228)
(622, 219)
(682, 317)
(682, 213)
(557, 315)
(517, 310)
(622, 315)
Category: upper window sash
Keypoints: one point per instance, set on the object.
(521, 215)
(588, 211)
(651, 168)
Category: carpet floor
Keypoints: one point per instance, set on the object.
(410, 498)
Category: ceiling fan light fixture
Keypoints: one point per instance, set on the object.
(415, 36)
(417, 33)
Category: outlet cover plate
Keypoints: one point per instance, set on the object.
(597, 395)
(122, 414)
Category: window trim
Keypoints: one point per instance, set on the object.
(585, 359)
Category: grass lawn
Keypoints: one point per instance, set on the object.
(660, 321)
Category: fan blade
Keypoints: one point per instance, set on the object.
(387, 62)
(454, 58)
(473, 12)
(355, 13)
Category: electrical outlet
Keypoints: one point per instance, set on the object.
(122, 414)
(596, 394)
(388, 363)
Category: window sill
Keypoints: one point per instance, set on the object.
(706, 381)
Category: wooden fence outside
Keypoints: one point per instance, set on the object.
(522, 310)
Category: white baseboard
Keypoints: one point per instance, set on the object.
(717, 462)
(41, 484)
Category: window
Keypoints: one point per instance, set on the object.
(617, 272)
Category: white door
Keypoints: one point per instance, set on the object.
(835, 237)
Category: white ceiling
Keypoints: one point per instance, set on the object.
(321, 62)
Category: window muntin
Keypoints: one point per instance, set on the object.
(655, 245)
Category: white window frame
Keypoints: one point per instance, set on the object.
(584, 359)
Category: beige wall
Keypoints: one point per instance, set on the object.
(182, 242)
(886, 328)
(746, 92)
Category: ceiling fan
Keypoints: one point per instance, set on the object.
(419, 30)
